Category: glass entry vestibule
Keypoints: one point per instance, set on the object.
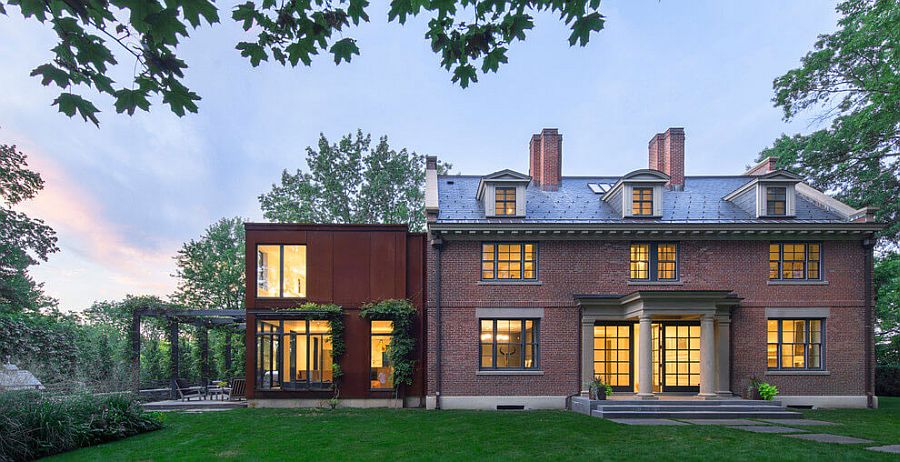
(675, 355)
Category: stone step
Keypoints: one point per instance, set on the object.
(655, 408)
(688, 402)
(704, 414)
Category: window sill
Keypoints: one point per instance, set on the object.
(797, 283)
(510, 283)
(512, 372)
(655, 283)
(784, 372)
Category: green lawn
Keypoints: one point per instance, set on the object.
(411, 434)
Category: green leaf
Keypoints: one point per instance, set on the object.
(165, 27)
(51, 73)
(245, 13)
(464, 74)
(179, 98)
(194, 9)
(343, 50)
(129, 100)
(301, 51)
(357, 11)
(254, 51)
(493, 59)
(68, 104)
(583, 26)
(399, 9)
(36, 8)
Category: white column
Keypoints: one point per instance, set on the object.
(707, 357)
(587, 355)
(723, 353)
(645, 385)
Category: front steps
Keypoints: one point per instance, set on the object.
(683, 409)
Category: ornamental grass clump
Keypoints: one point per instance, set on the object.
(34, 424)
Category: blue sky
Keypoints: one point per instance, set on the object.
(125, 196)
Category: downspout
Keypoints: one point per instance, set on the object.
(868, 247)
(437, 243)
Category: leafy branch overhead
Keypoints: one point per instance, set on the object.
(470, 36)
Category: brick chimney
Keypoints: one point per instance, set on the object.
(545, 159)
(666, 153)
(767, 165)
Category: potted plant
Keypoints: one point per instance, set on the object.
(752, 389)
(599, 390)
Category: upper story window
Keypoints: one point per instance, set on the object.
(508, 261)
(509, 344)
(795, 343)
(642, 201)
(281, 271)
(795, 261)
(776, 200)
(652, 261)
(505, 201)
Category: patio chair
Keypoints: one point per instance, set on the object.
(186, 392)
(237, 390)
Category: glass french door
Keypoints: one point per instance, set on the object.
(679, 356)
(613, 355)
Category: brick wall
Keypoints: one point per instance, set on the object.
(569, 267)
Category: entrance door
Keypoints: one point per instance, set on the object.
(679, 356)
(613, 347)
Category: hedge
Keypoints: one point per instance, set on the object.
(887, 381)
(34, 424)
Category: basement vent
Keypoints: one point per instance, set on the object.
(599, 188)
(510, 407)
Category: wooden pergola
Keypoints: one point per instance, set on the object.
(203, 319)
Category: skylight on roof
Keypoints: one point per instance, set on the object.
(599, 188)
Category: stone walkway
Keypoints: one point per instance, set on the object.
(779, 426)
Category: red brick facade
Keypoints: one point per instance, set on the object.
(600, 266)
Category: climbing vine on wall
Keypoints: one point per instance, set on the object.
(334, 314)
(403, 342)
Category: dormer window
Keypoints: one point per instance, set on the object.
(642, 201)
(776, 200)
(505, 201)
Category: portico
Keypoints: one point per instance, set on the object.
(652, 342)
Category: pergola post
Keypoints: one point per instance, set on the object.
(135, 334)
(173, 356)
(228, 353)
(203, 341)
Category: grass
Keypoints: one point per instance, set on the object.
(412, 434)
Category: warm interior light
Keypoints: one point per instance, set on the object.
(485, 337)
(502, 338)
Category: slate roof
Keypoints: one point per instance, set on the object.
(574, 202)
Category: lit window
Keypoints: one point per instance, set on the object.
(505, 201)
(509, 344)
(793, 261)
(612, 355)
(642, 201)
(293, 354)
(654, 261)
(795, 343)
(381, 371)
(508, 261)
(281, 271)
(776, 200)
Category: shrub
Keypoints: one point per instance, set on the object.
(887, 380)
(599, 386)
(766, 391)
(33, 424)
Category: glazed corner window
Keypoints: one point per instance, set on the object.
(381, 372)
(642, 201)
(505, 201)
(508, 262)
(651, 261)
(509, 344)
(293, 354)
(281, 271)
(795, 261)
(795, 343)
(776, 200)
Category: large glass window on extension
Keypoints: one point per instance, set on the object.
(381, 371)
(281, 271)
(293, 354)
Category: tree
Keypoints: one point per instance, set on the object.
(852, 78)
(886, 279)
(468, 35)
(24, 241)
(349, 182)
(211, 270)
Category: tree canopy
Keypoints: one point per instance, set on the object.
(471, 37)
(211, 269)
(24, 241)
(852, 81)
(350, 182)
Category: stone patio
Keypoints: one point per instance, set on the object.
(767, 429)
(647, 421)
(798, 422)
(733, 422)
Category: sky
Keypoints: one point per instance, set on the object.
(124, 197)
